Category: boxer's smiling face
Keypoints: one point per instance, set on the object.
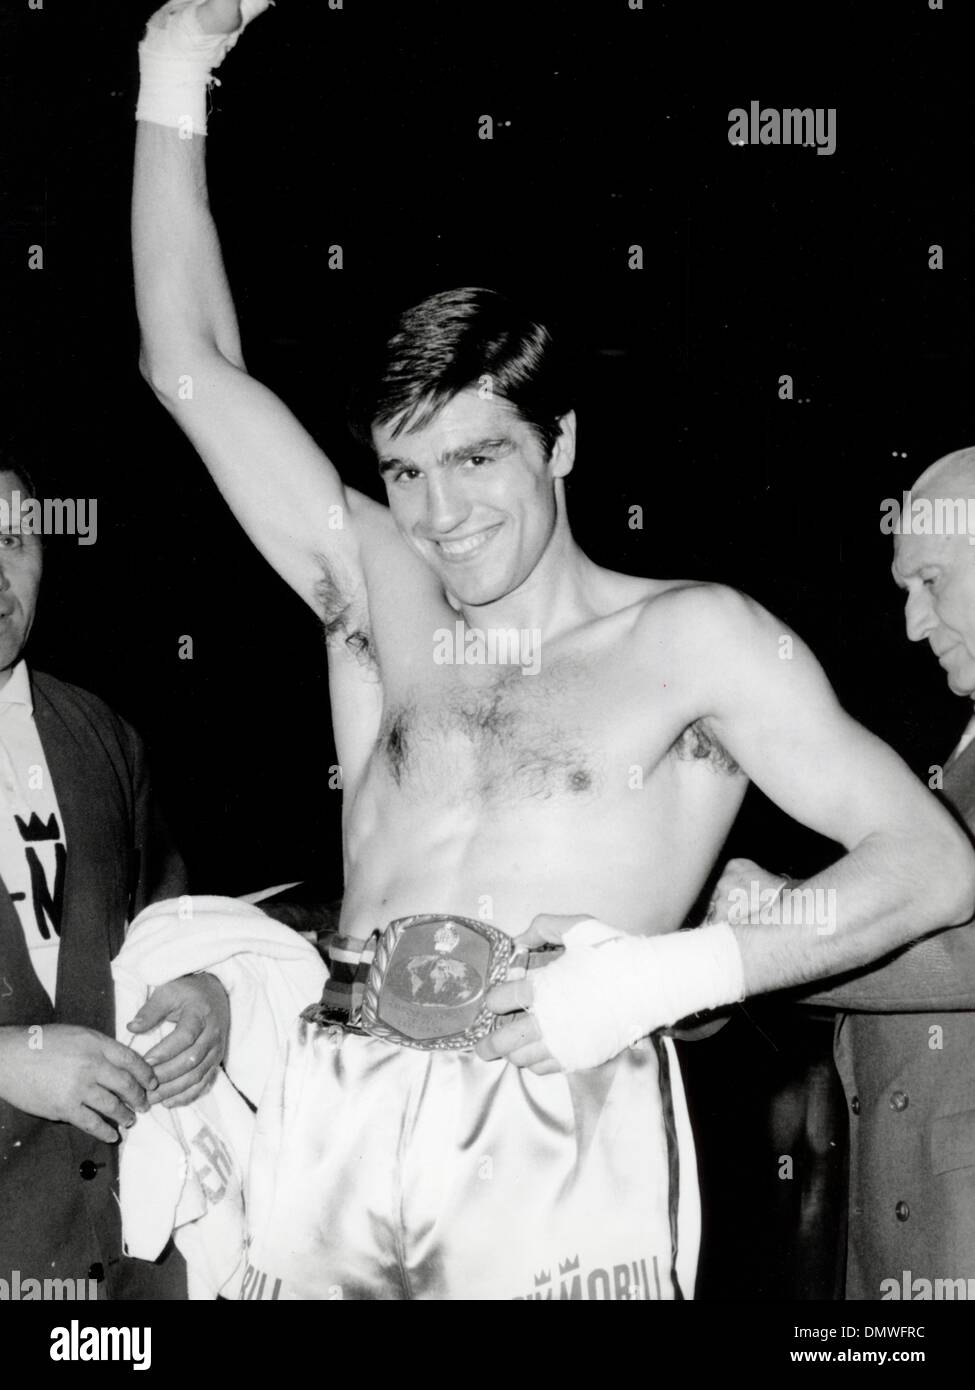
(938, 573)
(472, 493)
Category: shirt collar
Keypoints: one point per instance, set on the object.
(17, 691)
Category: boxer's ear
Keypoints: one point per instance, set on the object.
(564, 449)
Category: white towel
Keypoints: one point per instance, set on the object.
(184, 1170)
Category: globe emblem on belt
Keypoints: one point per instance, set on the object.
(437, 978)
(428, 979)
(436, 981)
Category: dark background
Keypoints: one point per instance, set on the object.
(359, 127)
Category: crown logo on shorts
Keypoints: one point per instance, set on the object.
(545, 1277)
(445, 938)
(569, 1267)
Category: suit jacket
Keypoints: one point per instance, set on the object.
(906, 1057)
(58, 1210)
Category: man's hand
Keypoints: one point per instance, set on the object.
(187, 1060)
(219, 16)
(215, 16)
(226, 16)
(76, 1075)
(520, 1041)
(743, 892)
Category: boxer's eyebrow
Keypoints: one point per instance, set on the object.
(387, 465)
(457, 454)
(478, 446)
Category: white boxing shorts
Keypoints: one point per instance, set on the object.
(382, 1171)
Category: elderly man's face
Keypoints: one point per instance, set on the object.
(21, 563)
(938, 573)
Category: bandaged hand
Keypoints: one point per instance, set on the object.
(220, 16)
(608, 990)
(183, 43)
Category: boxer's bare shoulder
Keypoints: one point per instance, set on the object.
(696, 630)
(745, 674)
(698, 621)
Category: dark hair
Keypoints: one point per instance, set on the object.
(19, 471)
(448, 343)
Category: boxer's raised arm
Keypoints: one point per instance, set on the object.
(909, 869)
(280, 485)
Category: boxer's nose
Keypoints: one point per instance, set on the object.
(446, 508)
(919, 618)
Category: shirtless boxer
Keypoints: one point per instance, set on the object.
(397, 1164)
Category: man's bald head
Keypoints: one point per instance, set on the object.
(936, 566)
(951, 476)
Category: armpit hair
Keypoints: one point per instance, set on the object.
(395, 740)
(343, 610)
(698, 742)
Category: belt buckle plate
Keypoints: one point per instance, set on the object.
(429, 978)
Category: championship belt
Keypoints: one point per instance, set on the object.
(422, 982)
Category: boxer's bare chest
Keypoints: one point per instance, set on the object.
(588, 774)
(490, 735)
(580, 724)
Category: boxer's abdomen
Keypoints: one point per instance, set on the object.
(635, 856)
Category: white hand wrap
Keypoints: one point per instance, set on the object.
(608, 989)
(176, 59)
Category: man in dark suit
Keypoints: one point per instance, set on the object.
(905, 1039)
(82, 850)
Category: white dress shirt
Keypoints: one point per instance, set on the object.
(33, 849)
